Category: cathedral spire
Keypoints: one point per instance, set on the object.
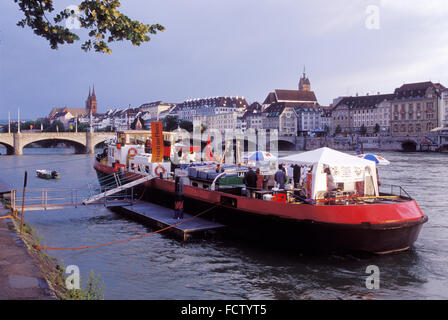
(91, 104)
(304, 82)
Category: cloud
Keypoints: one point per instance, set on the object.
(388, 76)
(335, 17)
(427, 8)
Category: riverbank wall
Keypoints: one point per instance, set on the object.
(365, 143)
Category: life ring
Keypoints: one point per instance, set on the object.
(133, 154)
(162, 168)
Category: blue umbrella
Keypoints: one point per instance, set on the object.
(375, 158)
(261, 156)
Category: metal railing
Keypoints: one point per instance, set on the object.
(46, 198)
(395, 190)
(58, 198)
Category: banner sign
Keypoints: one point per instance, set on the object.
(157, 141)
(347, 174)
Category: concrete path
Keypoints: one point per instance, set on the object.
(20, 278)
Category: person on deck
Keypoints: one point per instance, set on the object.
(290, 172)
(179, 198)
(219, 169)
(260, 179)
(331, 185)
(250, 180)
(296, 175)
(280, 177)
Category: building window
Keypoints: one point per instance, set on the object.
(403, 112)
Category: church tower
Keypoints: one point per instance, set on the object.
(91, 104)
(304, 83)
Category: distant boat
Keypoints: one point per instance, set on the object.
(47, 174)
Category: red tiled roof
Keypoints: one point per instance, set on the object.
(270, 98)
(295, 95)
(290, 96)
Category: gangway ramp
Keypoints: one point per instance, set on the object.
(117, 189)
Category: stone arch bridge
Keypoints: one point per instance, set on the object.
(84, 142)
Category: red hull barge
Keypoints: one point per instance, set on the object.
(380, 228)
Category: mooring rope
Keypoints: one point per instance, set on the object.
(38, 247)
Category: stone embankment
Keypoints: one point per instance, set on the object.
(20, 276)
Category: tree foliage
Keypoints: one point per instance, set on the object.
(170, 123)
(377, 128)
(363, 129)
(56, 126)
(186, 125)
(338, 129)
(101, 18)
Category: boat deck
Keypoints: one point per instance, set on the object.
(162, 217)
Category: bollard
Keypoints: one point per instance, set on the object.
(23, 200)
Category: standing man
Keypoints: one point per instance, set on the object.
(296, 175)
(260, 179)
(179, 198)
(331, 185)
(280, 177)
(250, 180)
(290, 173)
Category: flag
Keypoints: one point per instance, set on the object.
(208, 150)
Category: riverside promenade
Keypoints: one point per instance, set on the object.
(20, 277)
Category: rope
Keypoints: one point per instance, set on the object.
(6, 217)
(38, 247)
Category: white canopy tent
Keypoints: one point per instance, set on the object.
(344, 168)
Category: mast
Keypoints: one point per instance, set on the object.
(18, 120)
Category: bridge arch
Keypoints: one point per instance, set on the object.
(409, 145)
(9, 148)
(286, 145)
(78, 146)
(84, 142)
(443, 148)
(101, 139)
(7, 141)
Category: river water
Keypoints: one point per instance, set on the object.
(160, 267)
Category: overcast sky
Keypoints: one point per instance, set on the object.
(229, 48)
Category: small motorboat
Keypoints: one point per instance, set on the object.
(47, 174)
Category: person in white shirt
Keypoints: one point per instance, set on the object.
(331, 185)
(290, 173)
